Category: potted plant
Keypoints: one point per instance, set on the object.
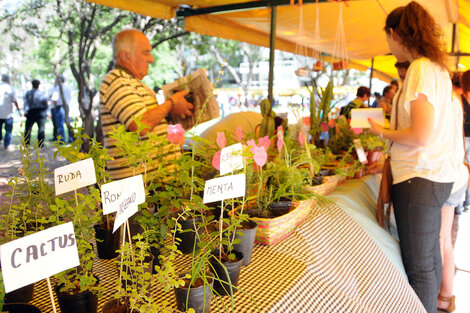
(27, 207)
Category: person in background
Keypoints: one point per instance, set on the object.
(394, 84)
(422, 161)
(124, 97)
(58, 110)
(35, 110)
(446, 299)
(7, 100)
(402, 67)
(362, 95)
(465, 97)
(386, 100)
(377, 97)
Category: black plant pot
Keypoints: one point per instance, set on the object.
(280, 208)
(84, 302)
(156, 258)
(106, 242)
(247, 242)
(222, 283)
(114, 306)
(21, 295)
(20, 308)
(198, 298)
(188, 237)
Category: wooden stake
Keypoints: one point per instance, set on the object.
(50, 294)
(76, 198)
(221, 228)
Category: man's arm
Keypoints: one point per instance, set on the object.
(176, 105)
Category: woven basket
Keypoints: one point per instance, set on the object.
(328, 185)
(273, 230)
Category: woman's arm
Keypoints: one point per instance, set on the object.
(422, 122)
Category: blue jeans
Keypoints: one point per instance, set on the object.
(59, 118)
(417, 203)
(8, 129)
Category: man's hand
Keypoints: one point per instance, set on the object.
(181, 108)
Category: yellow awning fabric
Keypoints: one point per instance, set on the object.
(363, 25)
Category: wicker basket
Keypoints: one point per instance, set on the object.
(328, 185)
(273, 230)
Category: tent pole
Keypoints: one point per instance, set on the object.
(371, 76)
(272, 48)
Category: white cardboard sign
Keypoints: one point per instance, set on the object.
(111, 192)
(127, 208)
(359, 117)
(360, 151)
(73, 176)
(38, 256)
(226, 187)
(231, 159)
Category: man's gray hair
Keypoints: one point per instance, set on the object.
(125, 40)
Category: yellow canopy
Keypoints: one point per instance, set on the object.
(363, 26)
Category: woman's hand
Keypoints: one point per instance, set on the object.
(375, 128)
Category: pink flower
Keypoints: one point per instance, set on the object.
(221, 140)
(264, 142)
(331, 123)
(324, 127)
(356, 131)
(260, 156)
(239, 133)
(252, 144)
(301, 138)
(176, 134)
(280, 144)
(216, 160)
(280, 132)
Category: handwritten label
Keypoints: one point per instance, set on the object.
(361, 155)
(111, 193)
(127, 207)
(73, 176)
(360, 117)
(231, 159)
(226, 187)
(38, 256)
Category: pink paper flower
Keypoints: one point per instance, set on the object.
(264, 142)
(221, 140)
(252, 144)
(356, 131)
(324, 127)
(280, 144)
(301, 138)
(176, 134)
(331, 123)
(280, 132)
(239, 133)
(260, 156)
(216, 160)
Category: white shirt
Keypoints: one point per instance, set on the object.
(55, 94)
(7, 99)
(433, 161)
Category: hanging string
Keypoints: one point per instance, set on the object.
(340, 47)
(383, 9)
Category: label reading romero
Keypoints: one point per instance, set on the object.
(38, 256)
(226, 187)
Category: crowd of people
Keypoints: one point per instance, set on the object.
(36, 105)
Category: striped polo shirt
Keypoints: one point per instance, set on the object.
(122, 98)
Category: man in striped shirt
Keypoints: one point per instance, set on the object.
(124, 97)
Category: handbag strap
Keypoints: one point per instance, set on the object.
(463, 137)
(396, 114)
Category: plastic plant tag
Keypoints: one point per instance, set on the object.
(111, 192)
(226, 187)
(127, 207)
(361, 155)
(73, 176)
(38, 256)
(231, 159)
